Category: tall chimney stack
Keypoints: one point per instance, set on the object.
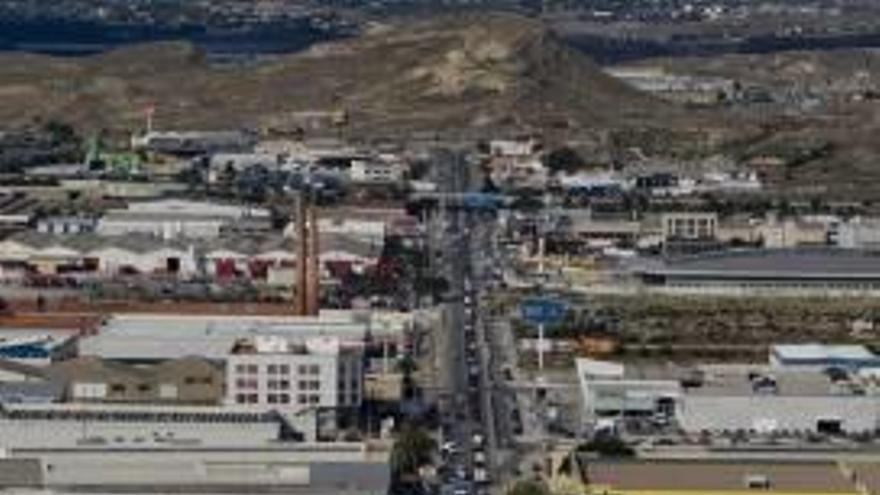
(313, 266)
(307, 290)
(300, 233)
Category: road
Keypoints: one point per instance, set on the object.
(468, 377)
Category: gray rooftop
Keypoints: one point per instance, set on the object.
(784, 263)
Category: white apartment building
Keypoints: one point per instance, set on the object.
(272, 372)
(689, 226)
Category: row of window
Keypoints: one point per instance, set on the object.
(278, 369)
(121, 388)
(276, 384)
(301, 399)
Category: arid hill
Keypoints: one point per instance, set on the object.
(463, 74)
(828, 131)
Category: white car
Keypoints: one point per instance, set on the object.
(449, 447)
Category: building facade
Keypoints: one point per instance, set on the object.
(273, 372)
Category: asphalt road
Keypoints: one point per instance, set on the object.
(468, 404)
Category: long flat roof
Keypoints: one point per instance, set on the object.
(817, 352)
(707, 476)
(151, 337)
(777, 263)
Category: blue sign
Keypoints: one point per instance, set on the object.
(542, 310)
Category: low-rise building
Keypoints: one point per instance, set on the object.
(822, 356)
(181, 467)
(277, 372)
(704, 477)
(192, 143)
(776, 233)
(781, 272)
(689, 226)
(858, 233)
(151, 338)
(67, 225)
(718, 399)
(174, 219)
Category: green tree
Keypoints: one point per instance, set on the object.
(412, 449)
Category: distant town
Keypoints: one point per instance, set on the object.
(495, 267)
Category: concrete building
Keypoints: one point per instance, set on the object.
(315, 373)
(776, 233)
(705, 477)
(253, 257)
(859, 233)
(185, 380)
(607, 391)
(753, 399)
(766, 400)
(141, 338)
(92, 255)
(313, 469)
(78, 426)
(821, 357)
(193, 143)
(689, 226)
(783, 272)
(67, 225)
(174, 219)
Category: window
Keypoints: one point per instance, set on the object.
(252, 369)
(303, 385)
(284, 369)
(284, 398)
(240, 368)
(189, 380)
(314, 385)
(240, 399)
(252, 398)
(314, 369)
(314, 399)
(302, 399)
(278, 384)
(303, 369)
(273, 399)
(246, 383)
(118, 388)
(272, 369)
(144, 387)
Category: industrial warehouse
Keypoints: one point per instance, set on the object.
(803, 390)
(800, 272)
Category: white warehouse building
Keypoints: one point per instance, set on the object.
(738, 397)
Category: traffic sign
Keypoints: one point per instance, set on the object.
(542, 310)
